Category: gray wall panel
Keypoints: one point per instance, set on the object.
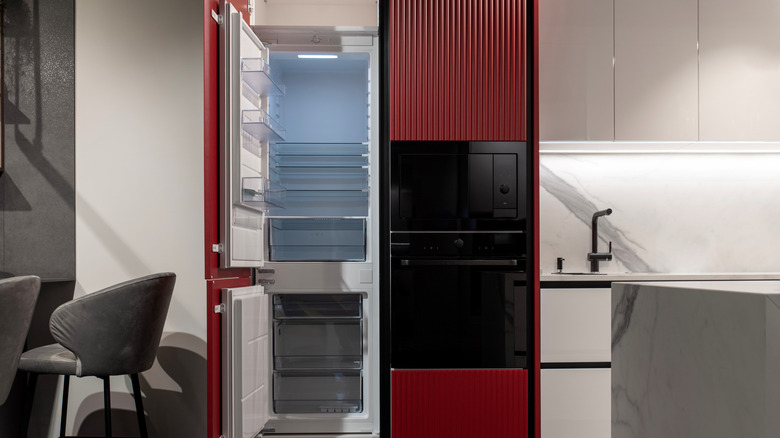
(38, 193)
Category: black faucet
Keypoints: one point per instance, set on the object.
(594, 256)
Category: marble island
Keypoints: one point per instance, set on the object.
(696, 359)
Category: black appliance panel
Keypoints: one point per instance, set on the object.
(458, 313)
(458, 186)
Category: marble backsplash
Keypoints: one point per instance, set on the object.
(672, 212)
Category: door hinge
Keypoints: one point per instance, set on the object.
(216, 17)
(250, 6)
(220, 308)
(266, 270)
(265, 281)
(218, 248)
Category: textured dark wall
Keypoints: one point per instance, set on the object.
(37, 191)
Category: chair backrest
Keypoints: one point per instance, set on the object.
(116, 330)
(18, 296)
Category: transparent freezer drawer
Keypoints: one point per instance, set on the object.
(302, 393)
(318, 306)
(303, 344)
(318, 239)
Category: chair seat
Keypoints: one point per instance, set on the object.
(49, 359)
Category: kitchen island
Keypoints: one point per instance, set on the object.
(696, 359)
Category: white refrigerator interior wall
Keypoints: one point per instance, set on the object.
(315, 13)
(139, 196)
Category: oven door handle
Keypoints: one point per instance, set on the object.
(458, 262)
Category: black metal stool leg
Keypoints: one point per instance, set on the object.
(107, 404)
(139, 406)
(32, 382)
(64, 414)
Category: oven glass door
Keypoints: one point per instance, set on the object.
(457, 313)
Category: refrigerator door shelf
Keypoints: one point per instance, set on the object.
(261, 126)
(256, 73)
(261, 194)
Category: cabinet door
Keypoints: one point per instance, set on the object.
(739, 56)
(576, 403)
(576, 325)
(457, 70)
(656, 92)
(576, 83)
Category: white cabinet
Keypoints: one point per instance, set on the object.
(576, 325)
(656, 92)
(576, 403)
(740, 67)
(575, 70)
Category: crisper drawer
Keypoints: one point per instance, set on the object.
(312, 306)
(319, 344)
(318, 239)
(303, 393)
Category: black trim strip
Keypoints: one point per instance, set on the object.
(604, 284)
(575, 365)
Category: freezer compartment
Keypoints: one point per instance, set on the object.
(261, 194)
(318, 240)
(318, 344)
(318, 306)
(310, 392)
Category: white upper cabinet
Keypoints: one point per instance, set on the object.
(656, 92)
(740, 70)
(575, 70)
(315, 13)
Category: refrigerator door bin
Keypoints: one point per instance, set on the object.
(256, 73)
(259, 125)
(318, 344)
(260, 193)
(318, 306)
(303, 392)
(318, 240)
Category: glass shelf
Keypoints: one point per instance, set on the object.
(261, 194)
(318, 239)
(323, 204)
(318, 178)
(326, 161)
(256, 73)
(261, 126)
(319, 149)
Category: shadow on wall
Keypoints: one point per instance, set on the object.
(174, 395)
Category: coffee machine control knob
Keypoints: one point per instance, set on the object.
(458, 243)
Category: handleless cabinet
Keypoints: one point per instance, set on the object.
(457, 70)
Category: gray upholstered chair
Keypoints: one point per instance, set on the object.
(114, 331)
(18, 296)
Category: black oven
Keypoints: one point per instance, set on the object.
(457, 186)
(459, 300)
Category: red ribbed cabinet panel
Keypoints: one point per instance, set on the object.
(459, 403)
(457, 70)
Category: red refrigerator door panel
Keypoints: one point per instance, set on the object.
(457, 70)
(459, 403)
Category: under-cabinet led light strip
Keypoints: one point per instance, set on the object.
(648, 147)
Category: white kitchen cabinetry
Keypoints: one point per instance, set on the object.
(319, 13)
(576, 403)
(656, 84)
(575, 355)
(575, 70)
(575, 325)
(739, 47)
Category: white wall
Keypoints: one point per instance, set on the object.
(139, 194)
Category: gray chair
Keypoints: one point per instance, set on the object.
(18, 296)
(114, 331)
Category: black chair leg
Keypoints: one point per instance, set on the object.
(32, 382)
(107, 404)
(64, 414)
(139, 406)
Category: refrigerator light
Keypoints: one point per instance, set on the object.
(318, 56)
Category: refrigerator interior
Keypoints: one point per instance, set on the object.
(323, 164)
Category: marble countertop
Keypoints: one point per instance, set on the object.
(640, 276)
(765, 287)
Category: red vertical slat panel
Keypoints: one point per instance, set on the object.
(459, 403)
(457, 70)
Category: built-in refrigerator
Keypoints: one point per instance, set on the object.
(299, 168)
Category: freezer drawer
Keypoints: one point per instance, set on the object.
(296, 392)
(320, 344)
(311, 306)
